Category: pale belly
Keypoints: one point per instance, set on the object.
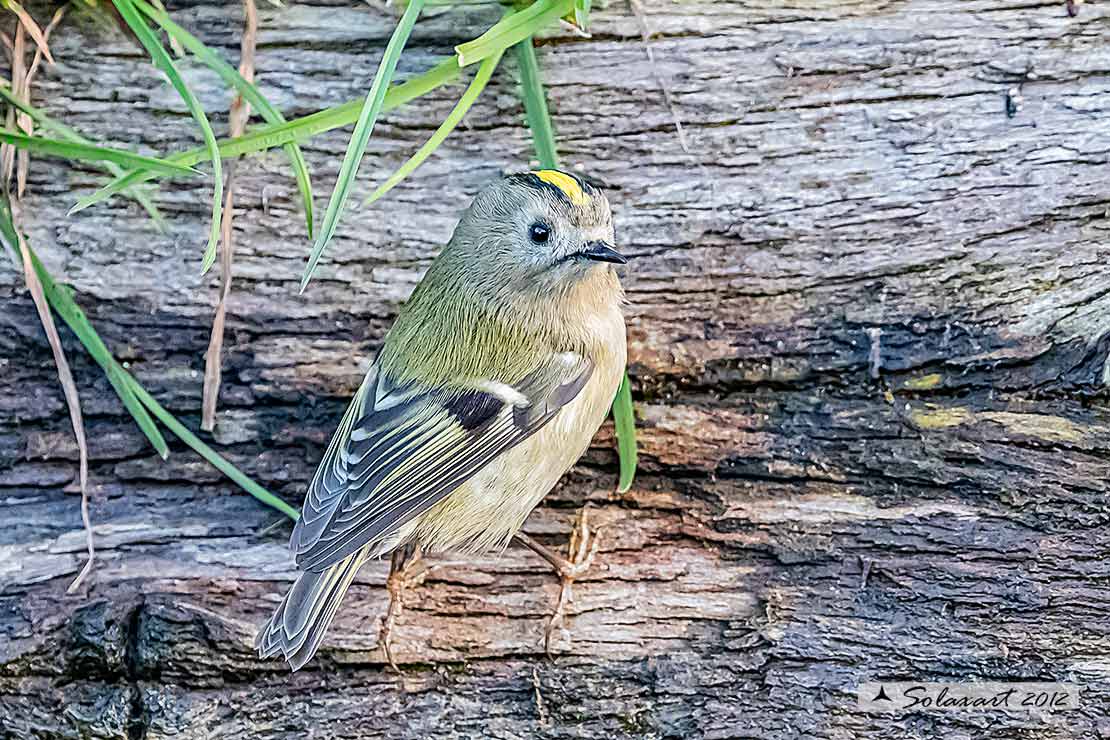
(485, 512)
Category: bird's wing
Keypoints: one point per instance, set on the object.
(402, 448)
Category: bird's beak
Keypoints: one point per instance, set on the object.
(602, 252)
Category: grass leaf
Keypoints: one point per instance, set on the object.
(249, 91)
(535, 106)
(299, 129)
(513, 29)
(60, 129)
(371, 109)
(162, 60)
(477, 85)
(86, 153)
(582, 13)
(625, 423)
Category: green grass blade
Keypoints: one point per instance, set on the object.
(269, 137)
(513, 29)
(249, 91)
(64, 305)
(202, 449)
(162, 60)
(625, 423)
(117, 376)
(582, 13)
(535, 106)
(361, 136)
(121, 184)
(477, 85)
(86, 153)
(58, 128)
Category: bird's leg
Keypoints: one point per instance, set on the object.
(581, 550)
(406, 567)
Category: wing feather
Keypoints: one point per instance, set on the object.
(400, 449)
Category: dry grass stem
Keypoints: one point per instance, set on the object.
(240, 112)
(27, 23)
(39, 52)
(19, 71)
(22, 77)
(73, 400)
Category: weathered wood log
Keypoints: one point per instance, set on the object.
(868, 315)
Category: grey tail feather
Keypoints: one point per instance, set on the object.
(298, 625)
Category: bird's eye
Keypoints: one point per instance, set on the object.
(539, 232)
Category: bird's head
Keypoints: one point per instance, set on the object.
(539, 233)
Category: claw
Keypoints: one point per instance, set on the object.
(406, 567)
(581, 548)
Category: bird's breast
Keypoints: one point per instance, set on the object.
(485, 512)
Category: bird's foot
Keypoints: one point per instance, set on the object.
(581, 551)
(406, 568)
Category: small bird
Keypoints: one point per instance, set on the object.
(488, 388)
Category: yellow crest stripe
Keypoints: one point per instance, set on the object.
(565, 183)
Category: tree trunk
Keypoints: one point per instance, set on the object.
(868, 313)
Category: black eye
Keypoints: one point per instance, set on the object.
(539, 232)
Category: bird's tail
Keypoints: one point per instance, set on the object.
(300, 621)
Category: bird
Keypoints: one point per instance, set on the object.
(489, 386)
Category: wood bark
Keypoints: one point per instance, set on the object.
(868, 313)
